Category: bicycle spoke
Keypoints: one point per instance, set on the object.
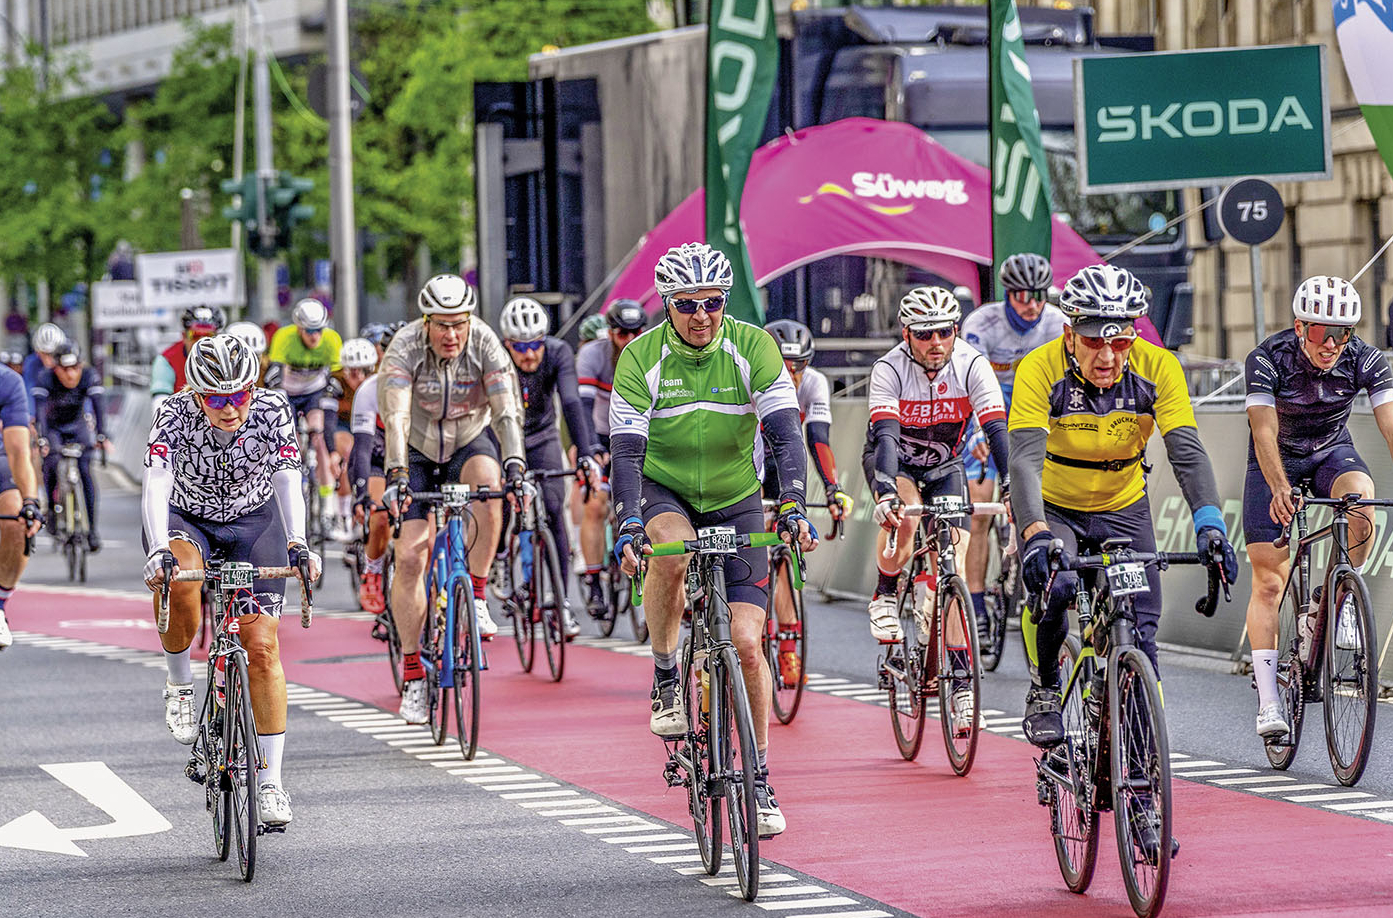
(1141, 784)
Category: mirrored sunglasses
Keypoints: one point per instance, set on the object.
(689, 307)
(219, 402)
(1119, 343)
(1317, 333)
(525, 347)
(929, 334)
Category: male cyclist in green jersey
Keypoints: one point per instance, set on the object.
(690, 397)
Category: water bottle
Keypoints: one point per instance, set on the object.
(525, 553)
(220, 679)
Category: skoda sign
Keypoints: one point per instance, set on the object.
(1157, 121)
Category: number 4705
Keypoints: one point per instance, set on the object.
(1256, 210)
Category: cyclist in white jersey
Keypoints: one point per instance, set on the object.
(1004, 332)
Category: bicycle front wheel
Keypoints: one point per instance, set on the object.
(1067, 772)
(466, 675)
(959, 676)
(1291, 679)
(706, 815)
(549, 593)
(907, 695)
(218, 796)
(1141, 780)
(239, 745)
(433, 661)
(739, 766)
(1350, 678)
(788, 685)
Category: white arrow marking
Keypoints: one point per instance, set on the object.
(130, 813)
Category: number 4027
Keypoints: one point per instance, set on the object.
(1256, 210)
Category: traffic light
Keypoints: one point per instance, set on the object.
(248, 187)
(284, 197)
(283, 209)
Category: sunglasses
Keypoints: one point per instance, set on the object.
(689, 307)
(795, 366)
(219, 402)
(627, 332)
(451, 326)
(1033, 295)
(526, 347)
(1317, 333)
(1120, 344)
(929, 334)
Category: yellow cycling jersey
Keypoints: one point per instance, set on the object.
(1091, 425)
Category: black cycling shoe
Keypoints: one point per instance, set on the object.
(595, 601)
(94, 543)
(1043, 723)
(1146, 830)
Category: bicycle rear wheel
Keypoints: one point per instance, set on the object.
(1073, 820)
(706, 817)
(239, 744)
(907, 697)
(616, 591)
(787, 697)
(1350, 678)
(466, 675)
(959, 676)
(739, 766)
(549, 593)
(1141, 779)
(1291, 680)
(394, 655)
(520, 607)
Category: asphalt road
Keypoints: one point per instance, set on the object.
(564, 811)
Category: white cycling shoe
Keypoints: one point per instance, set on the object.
(962, 712)
(1271, 724)
(487, 628)
(179, 714)
(273, 805)
(571, 626)
(885, 623)
(6, 639)
(414, 707)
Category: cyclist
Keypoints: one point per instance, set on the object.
(1004, 332)
(547, 368)
(923, 395)
(595, 367)
(19, 489)
(689, 399)
(447, 393)
(367, 477)
(47, 339)
(167, 371)
(815, 411)
(59, 399)
(218, 453)
(1082, 410)
(359, 361)
(303, 358)
(1301, 384)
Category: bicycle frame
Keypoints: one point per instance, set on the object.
(448, 565)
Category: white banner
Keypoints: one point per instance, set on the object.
(177, 280)
(117, 304)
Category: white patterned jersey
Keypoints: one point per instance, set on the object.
(222, 476)
(988, 330)
(814, 398)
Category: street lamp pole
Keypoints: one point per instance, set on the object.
(342, 226)
(264, 304)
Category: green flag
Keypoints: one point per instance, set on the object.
(1365, 34)
(742, 58)
(1020, 179)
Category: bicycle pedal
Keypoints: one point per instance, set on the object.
(263, 829)
(192, 771)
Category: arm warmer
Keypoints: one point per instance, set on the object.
(1192, 469)
(886, 434)
(997, 443)
(587, 405)
(820, 445)
(781, 429)
(97, 396)
(1027, 465)
(359, 464)
(155, 494)
(39, 395)
(626, 452)
(291, 500)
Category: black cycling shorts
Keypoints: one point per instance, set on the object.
(747, 571)
(1319, 471)
(307, 401)
(426, 475)
(256, 537)
(946, 479)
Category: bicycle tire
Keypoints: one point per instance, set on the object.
(616, 594)
(240, 744)
(706, 818)
(995, 602)
(394, 653)
(70, 557)
(958, 606)
(466, 673)
(1073, 819)
(549, 592)
(1291, 679)
(739, 768)
(637, 621)
(786, 698)
(1350, 681)
(908, 702)
(218, 797)
(1139, 748)
(519, 606)
(432, 660)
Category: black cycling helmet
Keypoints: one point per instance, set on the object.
(391, 332)
(626, 314)
(794, 338)
(1026, 271)
(205, 316)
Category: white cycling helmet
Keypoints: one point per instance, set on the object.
(929, 307)
(1104, 292)
(447, 295)
(1327, 300)
(310, 315)
(690, 267)
(250, 334)
(523, 319)
(48, 337)
(358, 354)
(221, 365)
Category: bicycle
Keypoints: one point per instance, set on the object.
(452, 651)
(1005, 594)
(314, 501)
(71, 511)
(1317, 662)
(616, 587)
(384, 626)
(537, 601)
(945, 648)
(787, 694)
(1115, 754)
(226, 754)
(716, 759)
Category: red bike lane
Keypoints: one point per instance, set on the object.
(911, 835)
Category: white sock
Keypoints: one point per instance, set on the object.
(273, 748)
(345, 505)
(374, 565)
(180, 672)
(1265, 674)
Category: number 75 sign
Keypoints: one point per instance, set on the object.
(1250, 211)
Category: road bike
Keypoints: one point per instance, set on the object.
(618, 595)
(314, 501)
(1005, 594)
(535, 596)
(716, 759)
(384, 626)
(1317, 662)
(70, 511)
(226, 755)
(1115, 754)
(937, 654)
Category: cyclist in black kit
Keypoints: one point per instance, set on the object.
(59, 396)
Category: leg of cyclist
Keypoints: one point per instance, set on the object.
(1270, 566)
(1043, 723)
(979, 492)
(547, 455)
(409, 610)
(885, 624)
(50, 473)
(663, 601)
(594, 517)
(343, 445)
(379, 531)
(1361, 529)
(81, 434)
(188, 545)
(314, 425)
(12, 557)
(481, 468)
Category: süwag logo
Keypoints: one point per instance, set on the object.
(886, 186)
(1201, 118)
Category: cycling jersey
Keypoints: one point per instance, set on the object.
(218, 475)
(815, 411)
(1086, 424)
(556, 374)
(700, 414)
(988, 329)
(57, 406)
(1313, 405)
(595, 369)
(437, 407)
(306, 369)
(365, 458)
(365, 419)
(167, 371)
(14, 412)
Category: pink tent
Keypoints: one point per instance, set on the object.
(860, 186)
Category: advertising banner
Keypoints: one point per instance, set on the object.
(117, 304)
(1365, 34)
(177, 280)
